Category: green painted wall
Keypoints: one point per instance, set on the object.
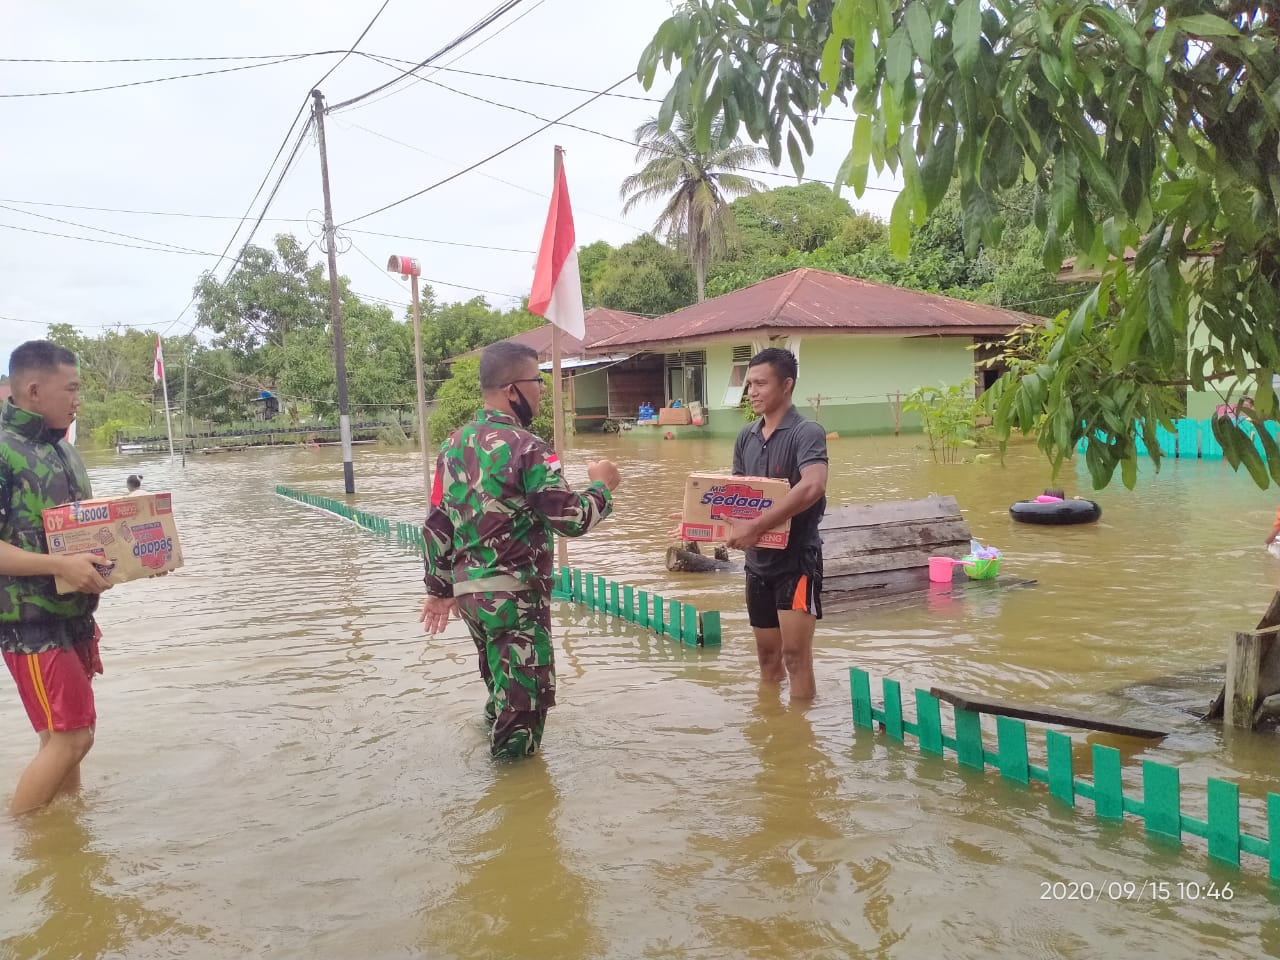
(591, 399)
(848, 378)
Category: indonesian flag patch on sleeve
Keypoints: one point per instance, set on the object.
(553, 462)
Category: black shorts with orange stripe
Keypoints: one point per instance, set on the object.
(799, 589)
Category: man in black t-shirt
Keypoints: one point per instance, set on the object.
(784, 587)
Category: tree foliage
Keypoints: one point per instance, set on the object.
(461, 397)
(1151, 130)
(694, 185)
(644, 276)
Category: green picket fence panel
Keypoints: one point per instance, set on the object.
(680, 621)
(689, 618)
(1160, 806)
(711, 628)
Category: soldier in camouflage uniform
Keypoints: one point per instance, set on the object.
(48, 639)
(498, 495)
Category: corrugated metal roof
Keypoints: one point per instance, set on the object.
(601, 323)
(815, 300)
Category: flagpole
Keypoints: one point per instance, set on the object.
(164, 383)
(557, 386)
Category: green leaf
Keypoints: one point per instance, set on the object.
(920, 30)
(1160, 311)
(900, 226)
(864, 54)
(898, 60)
(832, 60)
(1129, 471)
(966, 33)
(1051, 67)
(1205, 25)
(795, 153)
(861, 154)
(939, 162)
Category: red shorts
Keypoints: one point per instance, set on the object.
(55, 689)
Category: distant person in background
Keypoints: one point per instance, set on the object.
(49, 639)
(134, 483)
(498, 495)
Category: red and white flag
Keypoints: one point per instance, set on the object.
(557, 288)
(159, 370)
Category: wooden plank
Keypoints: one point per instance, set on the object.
(1042, 714)
(1269, 668)
(870, 514)
(903, 559)
(1244, 662)
(848, 542)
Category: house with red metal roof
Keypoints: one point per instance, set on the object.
(601, 385)
(862, 346)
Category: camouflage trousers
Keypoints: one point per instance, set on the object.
(512, 634)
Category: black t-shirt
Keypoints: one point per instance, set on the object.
(794, 444)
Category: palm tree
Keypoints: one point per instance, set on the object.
(696, 187)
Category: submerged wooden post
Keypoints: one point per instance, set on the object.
(1244, 660)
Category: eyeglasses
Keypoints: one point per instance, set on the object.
(541, 380)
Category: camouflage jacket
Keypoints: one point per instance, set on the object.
(38, 470)
(497, 497)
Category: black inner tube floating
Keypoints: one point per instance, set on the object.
(1057, 512)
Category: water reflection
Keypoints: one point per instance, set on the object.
(73, 903)
(520, 898)
(788, 859)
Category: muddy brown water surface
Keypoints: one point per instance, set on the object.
(286, 768)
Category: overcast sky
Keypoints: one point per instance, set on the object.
(202, 145)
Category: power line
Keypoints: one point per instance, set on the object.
(284, 171)
(352, 48)
(467, 34)
(212, 216)
(387, 61)
(497, 153)
(144, 213)
(450, 243)
(84, 226)
(627, 142)
(113, 243)
(488, 176)
(142, 83)
(252, 56)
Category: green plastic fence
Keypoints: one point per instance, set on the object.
(1160, 805)
(680, 621)
(677, 620)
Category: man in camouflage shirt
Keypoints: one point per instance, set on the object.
(498, 495)
(48, 639)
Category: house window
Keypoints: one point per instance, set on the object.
(686, 377)
(737, 376)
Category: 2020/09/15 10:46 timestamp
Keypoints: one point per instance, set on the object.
(1136, 890)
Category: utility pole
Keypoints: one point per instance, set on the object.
(335, 307)
(186, 416)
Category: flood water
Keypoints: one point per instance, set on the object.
(286, 768)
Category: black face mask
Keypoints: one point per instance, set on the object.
(520, 407)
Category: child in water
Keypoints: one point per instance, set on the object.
(134, 483)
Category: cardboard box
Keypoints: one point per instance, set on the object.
(674, 417)
(713, 501)
(135, 536)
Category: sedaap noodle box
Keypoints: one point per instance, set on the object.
(134, 535)
(713, 501)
